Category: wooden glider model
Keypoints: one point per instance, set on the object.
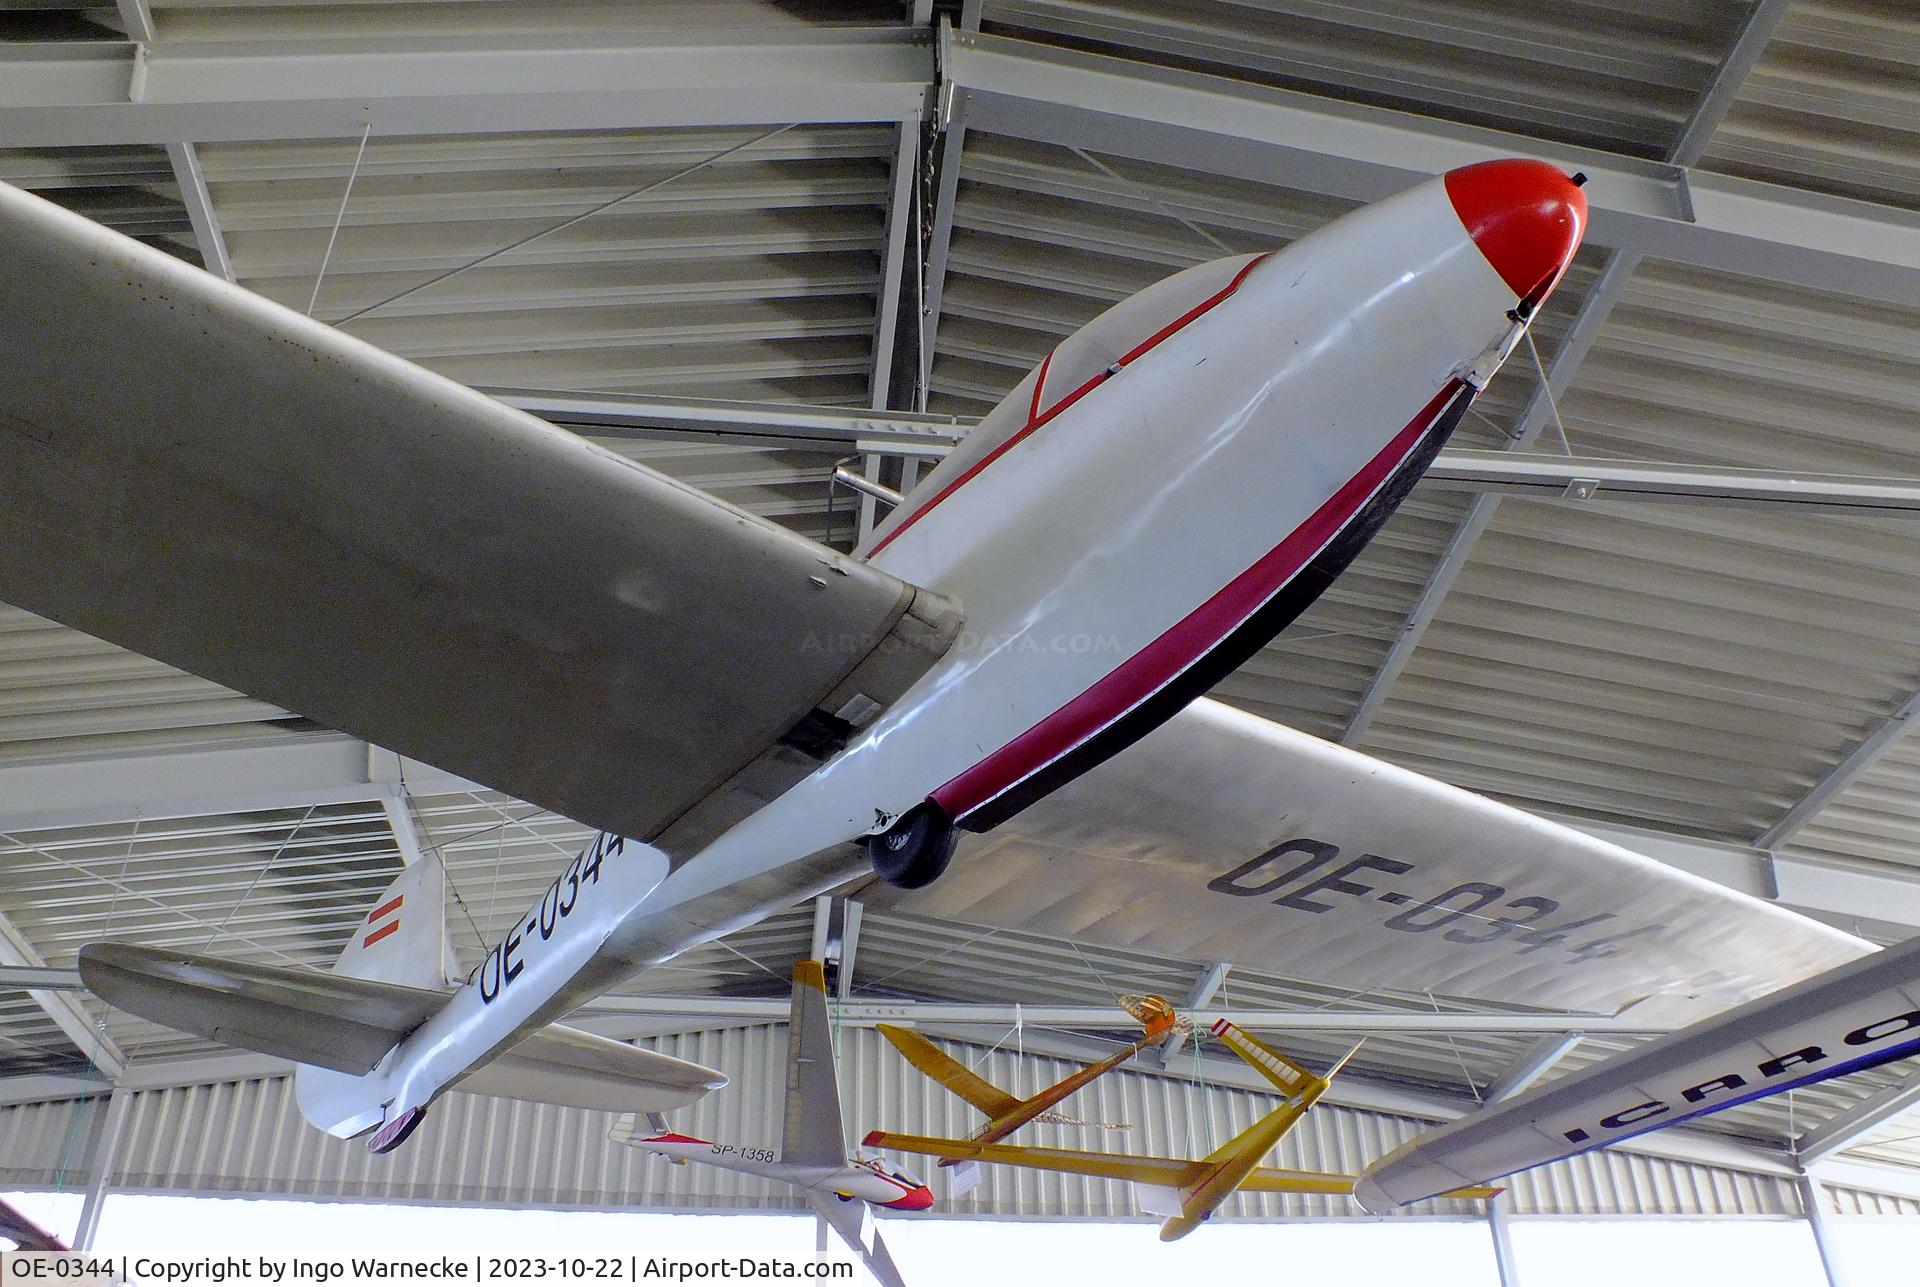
(1008, 1113)
(1186, 1192)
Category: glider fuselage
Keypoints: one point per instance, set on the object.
(869, 1181)
(1171, 487)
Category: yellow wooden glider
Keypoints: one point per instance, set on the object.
(1187, 1192)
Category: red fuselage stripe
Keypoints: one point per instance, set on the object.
(1037, 418)
(380, 933)
(1154, 666)
(384, 908)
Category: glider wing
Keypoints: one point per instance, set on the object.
(1855, 1017)
(475, 588)
(814, 1135)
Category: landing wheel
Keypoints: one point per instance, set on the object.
(913, 853)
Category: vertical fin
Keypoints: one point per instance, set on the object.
(403, 939)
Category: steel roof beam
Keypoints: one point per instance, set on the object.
(893, 262)
(21, 977)
(1842, 775)
(137, 19)
(1862, 894)
(199, 203)
(73, 93)
(1202, 992)
(1530, 1067)
(1547, 476)
(864, 1014)
(1602, 297)
(1724, 88)
(293, 774)
(1858, 1122)
(60, 1006)
(1211, 124)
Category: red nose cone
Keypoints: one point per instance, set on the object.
(919, 1199)
(1526, 217)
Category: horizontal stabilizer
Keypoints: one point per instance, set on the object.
(575, 1069)
(327, 1020)
(1859, 1015)
(950, 1072)
(1290, 1078)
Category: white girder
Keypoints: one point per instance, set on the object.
(77, 93)
(200, 213)
(1530, 1067)
(1212, 125)
(1203, 992)
(893, 261)
(1605, 293)
(62, 1008)
(295, 773)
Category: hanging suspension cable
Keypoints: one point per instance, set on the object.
(563, 225)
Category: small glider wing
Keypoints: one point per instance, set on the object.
(475, 588)
(950, 1072)
(1854, 1017)
(813, 1134)
(561, 1065)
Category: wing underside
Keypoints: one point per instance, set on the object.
(475, 588)
(813, 1135)
(1225, 837)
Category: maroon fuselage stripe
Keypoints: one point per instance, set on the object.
(1189, 639)
(1036, 418)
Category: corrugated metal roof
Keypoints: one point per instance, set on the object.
(1610, 74)
(1834, 105)
(754, 277)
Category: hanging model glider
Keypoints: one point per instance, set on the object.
(193, 472)
(813, 1148)
(1008, 1113)
(1187, 1193)
(1858, 1016)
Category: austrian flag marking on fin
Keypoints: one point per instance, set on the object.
(389, 908)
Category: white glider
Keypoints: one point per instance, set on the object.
(195, 473)
(813, 1149)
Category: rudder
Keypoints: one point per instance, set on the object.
(404, 938)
